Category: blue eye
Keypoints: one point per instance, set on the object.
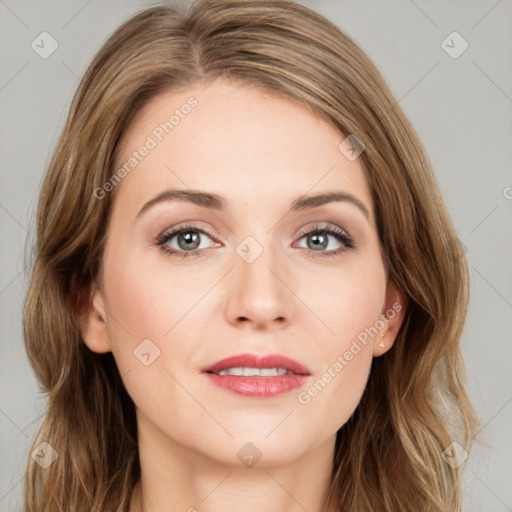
(188, 240)
(318, 236)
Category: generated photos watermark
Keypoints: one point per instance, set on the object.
(152, 140)
(342, 360)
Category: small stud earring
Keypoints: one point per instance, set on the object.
(382, 345)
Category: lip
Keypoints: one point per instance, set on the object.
(256, 361)
(258, 386)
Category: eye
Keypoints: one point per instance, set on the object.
(187, 241)
(318, 240)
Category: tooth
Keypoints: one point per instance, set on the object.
(251, 372)
(254, 372)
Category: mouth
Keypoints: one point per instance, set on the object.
(257, 376)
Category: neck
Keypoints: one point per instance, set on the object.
(178, 479)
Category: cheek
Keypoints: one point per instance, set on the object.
(149, 302)
(151, 324)
(340, 381)
(154, 328)
(346, 300)
(349, 307)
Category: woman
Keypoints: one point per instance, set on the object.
(303, 353)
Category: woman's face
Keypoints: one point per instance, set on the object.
(243, 277)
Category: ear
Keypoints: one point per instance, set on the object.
(92, 320)
(392, 316)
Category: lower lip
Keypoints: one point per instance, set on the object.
(258, 386)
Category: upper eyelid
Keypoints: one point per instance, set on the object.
(174, 231)
(322, 227)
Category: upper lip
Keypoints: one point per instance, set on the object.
(257, 361)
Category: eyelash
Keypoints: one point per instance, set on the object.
(339, 234)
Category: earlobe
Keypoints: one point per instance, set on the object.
(392, 317)
(92, 322)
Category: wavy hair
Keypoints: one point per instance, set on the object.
(388, 456)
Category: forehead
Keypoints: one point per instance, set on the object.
(237, 141)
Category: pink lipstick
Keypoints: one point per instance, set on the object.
(257, 376)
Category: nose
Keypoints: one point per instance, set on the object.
(260, 294)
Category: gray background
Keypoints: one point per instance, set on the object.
(461, 108)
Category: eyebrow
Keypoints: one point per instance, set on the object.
(217, 202)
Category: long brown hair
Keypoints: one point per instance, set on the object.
(388, 456)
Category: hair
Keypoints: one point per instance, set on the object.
(388, 456)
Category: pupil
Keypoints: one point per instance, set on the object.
(321, 245)
(189, 237)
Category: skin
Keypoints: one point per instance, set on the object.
(260, 153)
